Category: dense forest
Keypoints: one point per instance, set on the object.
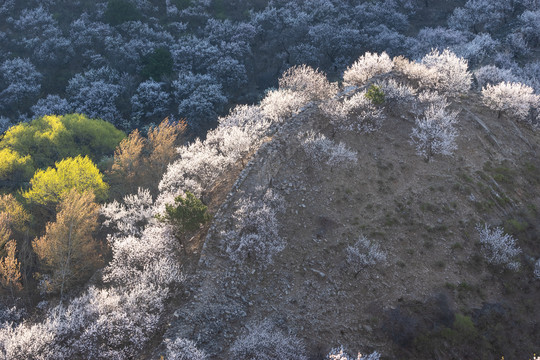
(156, 159)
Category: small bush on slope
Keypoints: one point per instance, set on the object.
(364, 253)
(340, 354)
(498, 248)
(320, 149)
(255, 240)
(264, 342)
(184, 349)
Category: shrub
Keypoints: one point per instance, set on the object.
(537, 269)
(367, 66)
(255, 238)
(264, 342)
(184, 349)
(320, 149)
(498, 248)
(187, 214)
(340, 354)
(375, 94)
(364, 253)
(514, 99)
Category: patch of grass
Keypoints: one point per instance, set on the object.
(456, 246)
(515, 226)
(465, 177)
(450, 286)
(424, 206)
(465, 287)
(501, 174)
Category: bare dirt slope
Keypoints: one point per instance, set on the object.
(422, 214)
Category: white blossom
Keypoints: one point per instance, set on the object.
(515, 99)
(499, 248)
(367, 66)
(435, 132)
(263, 341)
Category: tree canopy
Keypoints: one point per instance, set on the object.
(45, 140)
(50, 185)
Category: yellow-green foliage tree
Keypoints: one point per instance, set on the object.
(50, 185)
(43, 141)
(14, 168)
(67, 252)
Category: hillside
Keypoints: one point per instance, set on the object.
(394, 213)
(423, 216)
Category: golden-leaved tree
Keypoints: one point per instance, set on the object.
(67, 252)
(10, 269)
(141, 162)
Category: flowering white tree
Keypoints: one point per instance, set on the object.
(356, 113)
(435, 133)
(530, 27)
(367, 66)
(42, 36)
(492, 75)
(263, 341)
(129, 217)
(312, 84)
(321, 149)
(254, 239)
(19, 82)
(480, 15)
(51, 105)
(363, 254)
(514, 99)
(278, 105)
(150, 102)
(447, 72)
(396, 93)
(94, 94)
(199, 98)
(499, 248)
(184, 349)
